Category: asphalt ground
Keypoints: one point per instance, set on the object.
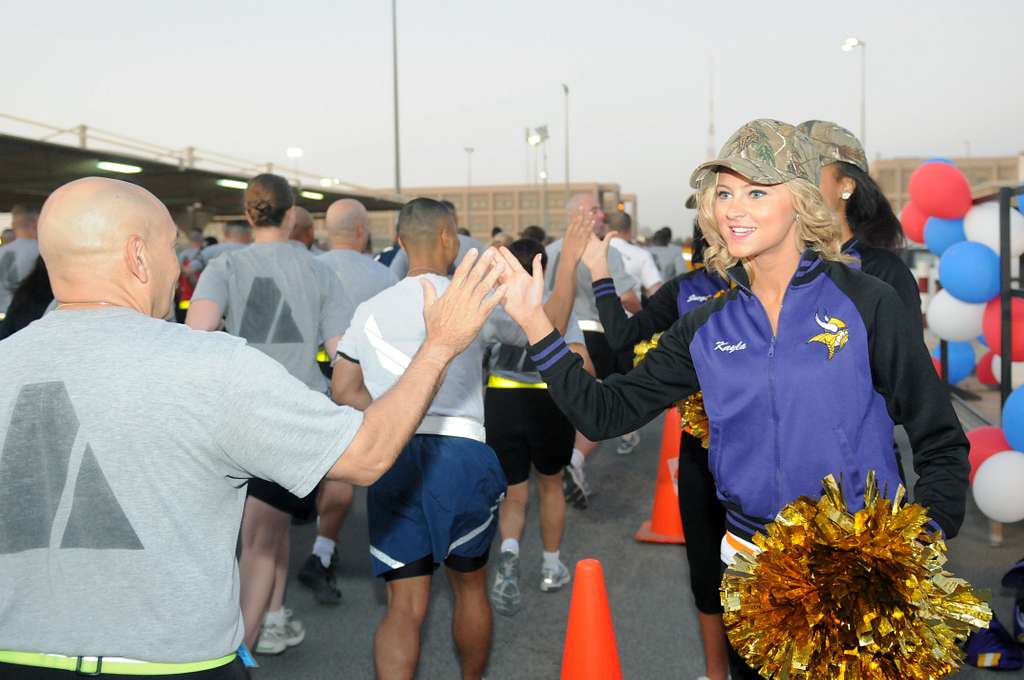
(648, 590)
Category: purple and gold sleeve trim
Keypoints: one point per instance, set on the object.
(549, 351)
(603, 287)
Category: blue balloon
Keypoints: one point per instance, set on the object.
(961, 360)
(1013, 419)
(938, 159)
(940, 234)
(981, 340)
(970, 272)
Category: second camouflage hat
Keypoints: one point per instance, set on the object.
(765, 151)
(834, 143)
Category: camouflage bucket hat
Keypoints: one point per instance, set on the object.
(834, 143)
(765, 151)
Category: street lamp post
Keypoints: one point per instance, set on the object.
(394, 84)
(295, 153)
(848, 45)
(565, 90)
(538, 138)
(469, 185)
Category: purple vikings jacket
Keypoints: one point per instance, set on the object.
(820, 397)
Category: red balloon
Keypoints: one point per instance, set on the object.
(984, 369)
(913, 221)
(991, 326)
(940, 190)
(985, 442)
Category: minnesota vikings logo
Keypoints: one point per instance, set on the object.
(835, 336)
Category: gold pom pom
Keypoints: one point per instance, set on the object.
(691, 410)
(859, 596)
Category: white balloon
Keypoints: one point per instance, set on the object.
(997, 485)
(1016, 371)
(953, 319)
(981, 224)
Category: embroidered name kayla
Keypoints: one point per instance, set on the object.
(723, 346)
(697, 298)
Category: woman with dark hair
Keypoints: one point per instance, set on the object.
(30, 300)
(871, 232)
(282, 300)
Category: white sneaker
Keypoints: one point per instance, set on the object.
(295, 632)
(575, 487)
(271, 640)
(627, 443)
(554, 579)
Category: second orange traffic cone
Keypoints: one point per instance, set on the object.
(665, 524)
(590, 649)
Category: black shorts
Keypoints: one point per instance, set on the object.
(703, 523)
(525, 426)
(605, 360)
(274, 495)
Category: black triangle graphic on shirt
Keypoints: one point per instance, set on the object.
(97, 520)
(260, 307)
(34, 465)
(286, 330)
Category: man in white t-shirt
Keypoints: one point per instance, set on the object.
(638, 262)
(440, 502)
(347, 224)
(122, 477)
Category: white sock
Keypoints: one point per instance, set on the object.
(510, 545)
(577, 458)
(551, 559)
(324, 549)
(277, 618)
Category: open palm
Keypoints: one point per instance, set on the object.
(524, 292)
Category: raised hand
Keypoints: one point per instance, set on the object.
(578, 235)
(454, 319)
(595, 257)
(524, 295)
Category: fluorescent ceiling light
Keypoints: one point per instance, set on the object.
(313, 195)
(118, 167)
(232, 184)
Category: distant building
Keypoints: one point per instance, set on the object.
(509, 206)
(984, 173)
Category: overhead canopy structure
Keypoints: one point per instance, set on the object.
(31, 169)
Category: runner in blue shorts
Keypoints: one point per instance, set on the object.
(439, 502)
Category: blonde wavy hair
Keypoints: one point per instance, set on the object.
(818, 230)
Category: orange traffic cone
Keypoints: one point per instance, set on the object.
(665, 524)
(590, 649)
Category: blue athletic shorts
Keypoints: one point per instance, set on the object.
(440, 498)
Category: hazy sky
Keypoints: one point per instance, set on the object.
(252, 78)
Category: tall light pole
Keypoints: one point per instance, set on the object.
(538, 138)
(469, 185)
(394, 80)
(849, 44)
(565, 90)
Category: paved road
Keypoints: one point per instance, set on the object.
(655, 623)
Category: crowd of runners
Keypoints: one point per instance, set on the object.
(451, 372)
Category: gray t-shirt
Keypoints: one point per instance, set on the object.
(280, 299)
(360, 276)
(506, 346)
(584, 306)
(17, 259)
(400, 264)
(209, 253)
(669, 260)
(388, 329)
(127, 442)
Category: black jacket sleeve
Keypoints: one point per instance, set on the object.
(903, 374)
(622, 331)
(887, 266)
(622, 403)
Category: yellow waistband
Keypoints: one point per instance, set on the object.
(94, 665)
(184, 304)
(499, 383)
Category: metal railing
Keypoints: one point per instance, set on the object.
(186, 158)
